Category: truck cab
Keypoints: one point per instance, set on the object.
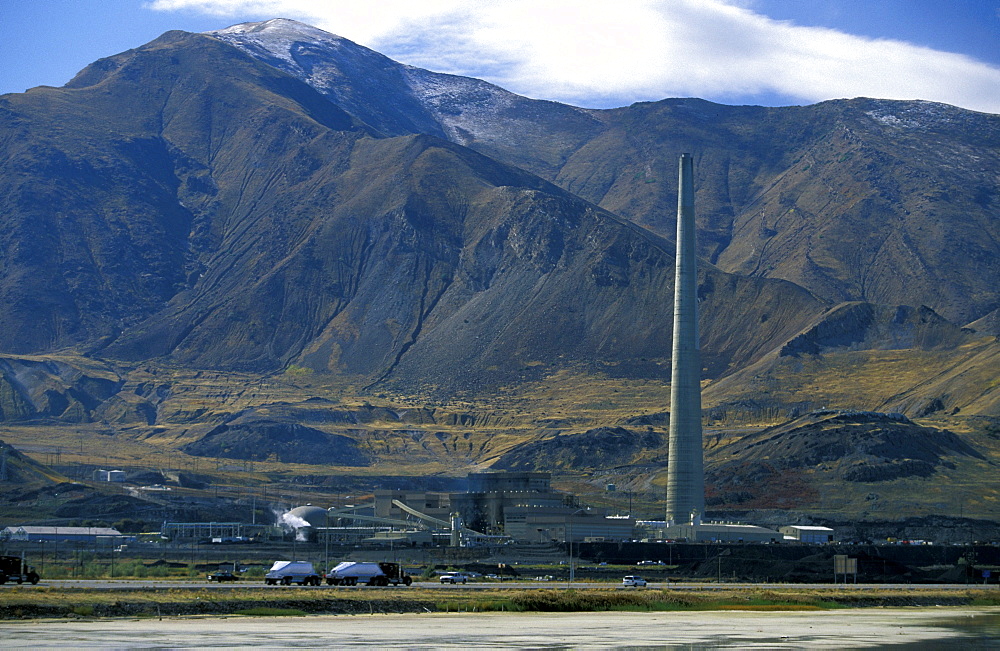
(13, 568)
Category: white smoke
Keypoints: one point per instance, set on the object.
(291, 522)
(277, 513)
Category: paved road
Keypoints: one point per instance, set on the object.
(129, 584)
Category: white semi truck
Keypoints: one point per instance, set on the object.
(289, 572)
(351, 573)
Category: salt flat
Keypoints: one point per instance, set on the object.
(931, 628)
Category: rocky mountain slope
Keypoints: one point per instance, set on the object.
(241, 221)
(251, 215)
(882, 201)
(186, 222)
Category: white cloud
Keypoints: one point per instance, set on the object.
(596, 53)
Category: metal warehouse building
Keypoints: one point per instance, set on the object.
(61, 534)
(807, 534)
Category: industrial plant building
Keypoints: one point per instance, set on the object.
(212, 531)
(62, 534)
(109, 475)
(807, 534)
(498, 506)
(484, 506)
(723, 532)
(492, 494)
(518, 506)
(560, 523)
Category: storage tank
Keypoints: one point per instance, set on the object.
(305, 516)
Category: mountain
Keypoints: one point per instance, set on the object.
(872, 200)
(882, 201)
(107, 183)
(270, 195)
(209, 241)
(398, 99)
(219, 213)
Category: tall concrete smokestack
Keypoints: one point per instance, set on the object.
(685, 467)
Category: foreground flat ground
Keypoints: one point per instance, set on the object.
(930, 628)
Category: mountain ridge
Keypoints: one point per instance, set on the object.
(319, 179)
(333, 265)
(763, 175)
(350, 212)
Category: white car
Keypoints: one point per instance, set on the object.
(634, 581)
(454, 577)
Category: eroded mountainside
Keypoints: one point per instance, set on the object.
(882, 201)
(188, 225)
(284, 232)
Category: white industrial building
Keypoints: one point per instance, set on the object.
(808, 534)
(62, 534)
(109, 475)
(722, 532)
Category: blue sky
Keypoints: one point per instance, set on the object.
(588, 53)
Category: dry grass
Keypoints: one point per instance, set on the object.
(49, 602)
(877, 380)
(568, 401)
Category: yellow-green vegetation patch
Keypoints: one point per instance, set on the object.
(264, 611)
(770, 607)
(47, 603)
(626, 601)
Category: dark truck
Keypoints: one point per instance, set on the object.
(13, 568)
(226, 572)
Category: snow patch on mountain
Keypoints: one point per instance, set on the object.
(916, 114)
(460, 108)
(290, 46)
(463, 106)
(277, 36)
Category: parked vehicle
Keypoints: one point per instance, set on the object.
(289, 572)
(13, 568)
(454, 577)
(351, 573)
(634, 581)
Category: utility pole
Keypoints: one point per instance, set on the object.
(572, 563)
(326, 536)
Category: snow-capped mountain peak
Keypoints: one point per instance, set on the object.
(280, 38)
(352, 76)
